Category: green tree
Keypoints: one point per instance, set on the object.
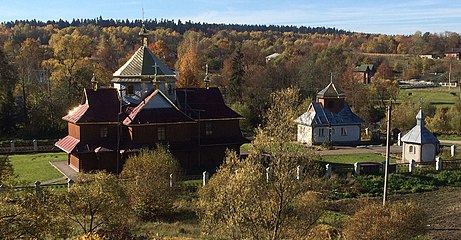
(454, 116)
(149, 189)
(8, 79)
(237, 76)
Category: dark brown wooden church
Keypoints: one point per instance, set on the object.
(143, 108)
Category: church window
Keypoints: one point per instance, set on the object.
(411, 149)
(130, 89)
(321, 132)
(208, 129)
(103, 132)
(343, 131)
(161, 135)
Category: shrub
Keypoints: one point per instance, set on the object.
(149, 182)
(396, 221)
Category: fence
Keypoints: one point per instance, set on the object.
(375, 168)
(27, 147)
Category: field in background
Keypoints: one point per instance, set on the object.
(439, 96)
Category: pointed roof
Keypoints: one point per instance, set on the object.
(364, 68)
(331, 91)
(101, 105)
(204, 103)
(318, 115)
(155, 108)
(143, 64)
(420, 134)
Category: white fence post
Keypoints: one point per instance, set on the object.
(357, 168)
(205, 178)
(35, 145)
(298, 172)
(438, 164)
(12, 147)
(37, 188)
(411, 166)
(69, 184)
(452, 150)
(329, 169)
(268, 174)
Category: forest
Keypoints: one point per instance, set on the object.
(44, 67)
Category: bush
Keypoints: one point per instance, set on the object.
(149, 182)
(396, 221)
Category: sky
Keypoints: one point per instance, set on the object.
(378, 16)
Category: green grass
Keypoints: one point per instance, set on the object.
(449, 137)
(439, 96)
(32, 167)
(245, 147)
(353, 158)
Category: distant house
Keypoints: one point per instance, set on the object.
(426, 56)
(363, 73)
(453, 53)
(272, 56)
(329, 119)
(419, 144)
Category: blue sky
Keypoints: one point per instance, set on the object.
(390, 17)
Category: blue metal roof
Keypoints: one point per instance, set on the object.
(420, 134)
(321, 116)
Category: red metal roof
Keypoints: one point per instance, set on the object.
(67, 144)
(101, 105)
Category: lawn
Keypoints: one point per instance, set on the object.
(353, 158)
(32, 167)
(439, 96)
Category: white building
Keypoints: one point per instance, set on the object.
(419, 143)
(329, 119)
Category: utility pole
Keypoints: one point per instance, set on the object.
(388, 148)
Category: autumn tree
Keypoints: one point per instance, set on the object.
(28, 216)
(71, 63)
(6, 169)
(149, 188)
(189, 62)
(97, 203)
(268, 201)
(384, 71)
(161, 50)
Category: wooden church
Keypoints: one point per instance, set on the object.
(144, 108)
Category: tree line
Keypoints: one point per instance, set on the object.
(45, 67)
(178, 25)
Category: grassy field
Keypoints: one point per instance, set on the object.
(353, 158)
(439, 96)
(32, 167)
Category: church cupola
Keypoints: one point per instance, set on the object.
(331, 98)
(143, 34)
